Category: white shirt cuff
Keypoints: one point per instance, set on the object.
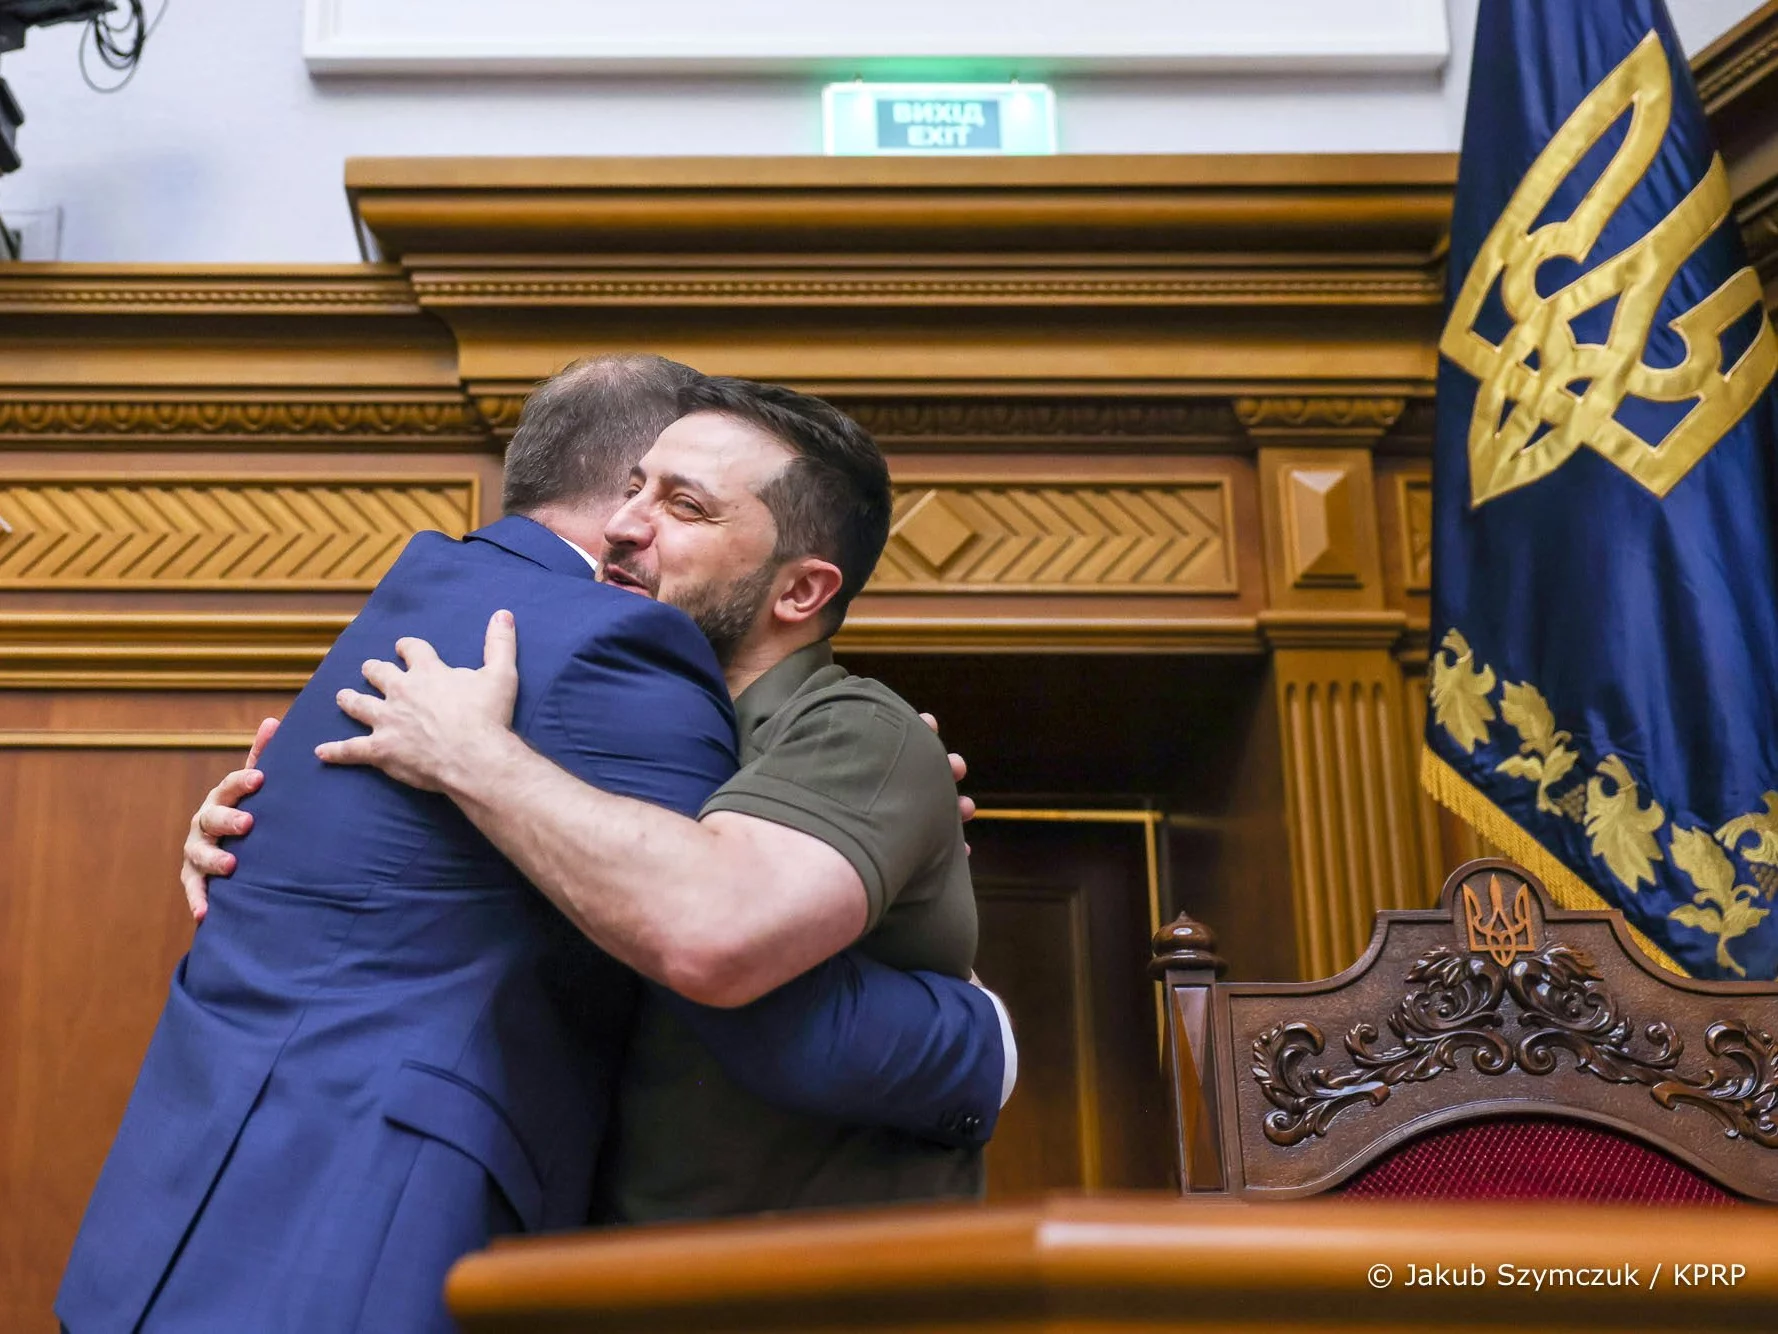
(1010, 1076)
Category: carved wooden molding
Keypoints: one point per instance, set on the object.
(1743, 57)
(844, 285)
(110, 289)
(435, 421)
(1414, 508)
(164, 650)
(1493, 1003)
(278, 651)
(1333, 629)
(246, 534)
(867, 631)
(1338, 421)
(993, 420)
(1459, 1008)
(1066, 537)
(1349, 797)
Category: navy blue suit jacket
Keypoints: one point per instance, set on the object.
(384, 1047)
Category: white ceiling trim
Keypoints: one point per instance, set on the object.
(839, 38)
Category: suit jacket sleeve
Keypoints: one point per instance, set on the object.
(857, 1041)
(640, 711)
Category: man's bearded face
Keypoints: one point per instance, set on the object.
(691, 517)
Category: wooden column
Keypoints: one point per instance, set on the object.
(1350, 795)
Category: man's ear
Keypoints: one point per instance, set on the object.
(805, 586)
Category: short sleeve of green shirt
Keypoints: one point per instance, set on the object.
(862, 774)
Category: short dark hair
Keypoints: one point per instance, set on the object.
(832, 500)
(581, 431)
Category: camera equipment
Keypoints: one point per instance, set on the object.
(119, 47)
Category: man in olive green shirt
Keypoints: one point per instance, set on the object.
(841, 827)
(844, 760)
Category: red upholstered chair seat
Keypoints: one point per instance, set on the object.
(1533, 1158)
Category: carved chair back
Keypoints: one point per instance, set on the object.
(1494, 1045)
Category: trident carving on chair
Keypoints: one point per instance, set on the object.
(1498, 933)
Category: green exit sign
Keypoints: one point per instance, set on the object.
(864, 119)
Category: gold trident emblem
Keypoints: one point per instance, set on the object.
(1539, 377)
(1499, 935)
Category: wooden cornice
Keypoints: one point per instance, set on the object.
(924, 277)
(1347, 205)
(1737, 64)
(1737, 78)
(247, 357)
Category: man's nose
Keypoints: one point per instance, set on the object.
(629, 526)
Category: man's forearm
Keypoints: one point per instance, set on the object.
(624, 871)
(700, 909)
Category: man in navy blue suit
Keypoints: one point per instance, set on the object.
(384, 1047)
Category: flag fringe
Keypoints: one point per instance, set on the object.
(1467, 802)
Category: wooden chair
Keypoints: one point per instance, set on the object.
(1494, 1047)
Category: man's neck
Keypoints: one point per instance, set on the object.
(582, 523)
(757, 656)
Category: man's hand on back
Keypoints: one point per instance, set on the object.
(217, 819)
(959, 771)
(433, 720)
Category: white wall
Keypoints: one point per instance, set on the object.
(224, 149)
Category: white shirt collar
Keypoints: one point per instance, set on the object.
(585, 555)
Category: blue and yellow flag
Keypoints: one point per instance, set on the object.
(1604, 671)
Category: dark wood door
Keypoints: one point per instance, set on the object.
(1065, 909)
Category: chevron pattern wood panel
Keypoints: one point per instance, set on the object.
(218, 533)
(1063, 538)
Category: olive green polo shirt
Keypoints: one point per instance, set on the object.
(845, 760)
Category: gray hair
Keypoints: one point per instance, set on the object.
(582, 431)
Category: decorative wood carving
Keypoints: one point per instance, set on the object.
(1060, 538)
(1492, 1003)
(1322, 552)
(63, 289)
(847, 285)
(1320, 528)
(1340, 421)
(1000, 421)
(1460, 1007)
(247, 533)
(1349, 797)
(440, 421)
(1414, 502)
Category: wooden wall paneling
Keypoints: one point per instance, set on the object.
(1066, 897)
(96, 791)
(1352, 799)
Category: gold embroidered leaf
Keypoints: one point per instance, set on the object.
(1621, 828)
(1524, 706)
(1720, 907)
(1763, 825)
(1725, 915)
(1460, 692)
(1696, 853)
(1544, 757)
(1555, 769)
